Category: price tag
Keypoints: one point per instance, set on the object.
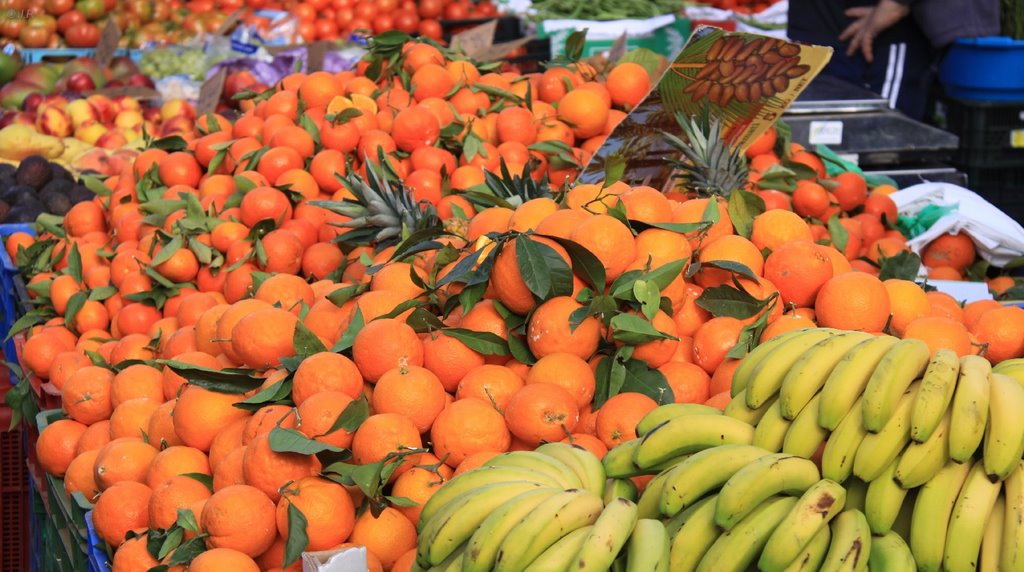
(209, 93)
(618, 49)
(1017, 138)
(108, 44)
(475, 39)
(826, 133)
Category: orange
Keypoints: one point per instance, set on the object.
(646, 204)
(713, 340)
(952, 250)
(121, 508)
(201, 414)
(851, 191)
(585, 111)
(131, 417)
(491, 383)
(1001, 333)
(549, 330)
(882, 207)
(382, 434)
(657, 352)
(689, 382)
(516, 124)
(507, 279)
(617, 418)
(414, 128)
(240, 517)
(910, 303)
(326, 371)
(853, 301)
(268, 470)
(413, 392)
(798, 270)
(386, 536)
(788, 322)
(80, 476)
(722, 378)
(773, 228)
(385, 344)
(94, 438)
(449, 359)
(123, 459)
(86, 394)
(176, 460)
(219, 559)
(55, 448)
(171, 382)
(609, 240)
(230, 470)
(730, 248)
(64, 365)
(885, 248)
(327, 507)
(628, 84)
(133, 555)
(319, 412)
(468, 426)
(542, 412)
(40, 350)
(177, 492)
(810, 199)
(263, 337)
(528, 215)
(567, 371)
(940, 333)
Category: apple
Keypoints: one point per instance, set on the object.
(141, 80)
(238, 82)
(32, 102)
(152, 115)
(177, 125)
(80, 82)
(92, 9)
(90, 132)
(87, 66)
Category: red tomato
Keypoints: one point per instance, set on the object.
(34, 37)
(84, 35)
(68, 19)
(407, 21)
(430, 29)
(431, 8)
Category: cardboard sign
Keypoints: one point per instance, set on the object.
(315, 54)
(233, 19)
(475, 39)
(498, 51)
(618, 49)
(209, 93)
(746, 80)
(107, 45)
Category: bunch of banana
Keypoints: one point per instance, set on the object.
(1011, 367)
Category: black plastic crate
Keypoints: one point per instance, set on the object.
(991, 133)
(509, 27)
(1001, 186)
(535, 53)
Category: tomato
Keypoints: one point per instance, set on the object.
(385, 6)
(407, 5)
(360, 24)
(487, 9)
(456, 11)
(343, 17)
(431, 8)
(339, 4)
(84, 35)
(11, 27)
(142, 9)
(91, 9)
(58, 7)
(68, 19)
(366, 10)
(16, 5)
(326, 29)
(319, 4)
(430, 29)
(304, 12)
(407, 21)
(308, 31)
(44, 21)
(34, 37)
(383, 23)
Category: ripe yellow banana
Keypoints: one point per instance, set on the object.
(663, 413)
(737, 409)
(739, 547)
(851, 543)
(932, 509)
(904, 363)
(1011, 367)
(625, 488)
(884, 500)
(702, 474)
(841, 447)
(618, 461)
(846, 383)
(762, 478)
(770, 433)
(1004, 438)
(482, 547)
(805, 436)
(648, 548)
(811, 514)
(690, 434)
(543, 464)
(470, 480)
(920, 461)
(694, 537)
(768, 375)
(878, 450)
(936, 394)
(1011, 555)
(810, 559)
(967, 522)
(970, 408)
(890, 552)
(588, 468)
(649, 505)
(744, 372)
(992, 539)
(546, 525)
(607, 537)
(560, 555)
(808, 375)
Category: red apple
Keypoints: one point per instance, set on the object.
(80, 82)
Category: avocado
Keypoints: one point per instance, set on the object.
(6, 170)
(4, 208)
(33, 171)
(18, 194)
(56, 203)
(79, 193)
(57, 186)
(59, 172)
(24, 213)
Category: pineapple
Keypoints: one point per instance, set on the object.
(510, 190)
(711, 166)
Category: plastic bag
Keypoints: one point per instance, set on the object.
(997, 237)
(920, 223)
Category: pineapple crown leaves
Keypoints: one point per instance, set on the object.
(711, 165)
(510, 190)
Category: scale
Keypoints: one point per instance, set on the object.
(859, 125)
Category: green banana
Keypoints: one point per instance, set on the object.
(663, 413)
(586, 465)
(543, 464)
(618, 461)
(689, 434)
(805, 436)
(451, 564)
(878, 450)
(702, 474)
(1004, 437)
(1011, 367)
(967, 521)
(932, 509)
(884, 500)
(905, 362)
(608, 536)
(482, 547)
(808, 375)
(935, 395)
(694, 536)
(810, 559)
(745, 371)
(846, 383)
(547, 524)
(649, 505)
(970, 408)
(768, 375)
(648, 548)
(1011, 556)
(811, 514)
(561, 554)
(480, 477)
(890, 552)
(770, 433)
(920, 461)
(992, 539)
(851, 543)
(737, 409)
(841, 447)
(625, 488)
(739, 547)
(759, 480)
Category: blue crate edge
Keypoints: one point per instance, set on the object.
(98, 559)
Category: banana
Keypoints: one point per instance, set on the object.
(841, 447)
(935, 395)
(451, 564)
(560, 555)
(920, 461)
(666, 465)
(967, 522)
(1011, 555)
(457, 521)
(1011, 367)
(905, 518)
(586, 465)
(805, 436)
(856, 494)
(649, 505)
(544, 464)
(884, 500)
(808, 375)
(770, 433)
(625, 488)
(850, 547)
(767, 376)
(648, 548)
(878, 450)
(1004, 437)
(694, 537)
(703, 473)
(846, 383)
(609, 534)
(811, 514)
(689, 434)
(618, 461)
(547, 524)
(902, 364)
(759, 480)
(992, 539)
(483, 476)
(889, 552)
(932, 509)
(737, 409)
(970, 408)
(813, 555)
(739, 547)
(663, 413)
(482, 548)
(744, 372)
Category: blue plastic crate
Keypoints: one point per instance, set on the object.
(979, 69)
(99, 560)
(14, 301)
(38, 55)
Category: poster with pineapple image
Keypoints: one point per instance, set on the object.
(720, 92)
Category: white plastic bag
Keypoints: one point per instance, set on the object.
(997, 237)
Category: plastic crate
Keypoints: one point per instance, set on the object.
(991, 133)
(58, 55)
(14, 497)
(14, 300)
(99, 560)
(508, 28)
(1003, 187)
(37, 516)
(71, 509)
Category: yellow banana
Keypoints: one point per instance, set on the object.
(813, 554)
(694, 537)
(935, 395)
(805, 437)
(744, 372)
(470, 480)
(663, 413)
(1011, 555)
(770, 433)
(878, 450)
(970, 408)
(851, 543)
(841, 447)
(737, 409)
(482, 548)
(932, 509)
(702, 474)
(967, 522)
(811, 514)
(762, 478)
(768, 375)
(808, 375)
(690, 434)
(904, 363)
(740, 546)
(992, 539)
(920, 461)
(884, 500)
(889, 552)
(846, 383)
(1004, 438)
(560, 555)
(607, 537)
(618, 461)
(648, 548)
(546, 525)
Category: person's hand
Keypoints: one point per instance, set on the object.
(871, 21)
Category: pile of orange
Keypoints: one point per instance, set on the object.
(244, 266)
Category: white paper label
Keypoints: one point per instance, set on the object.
(826, 133)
